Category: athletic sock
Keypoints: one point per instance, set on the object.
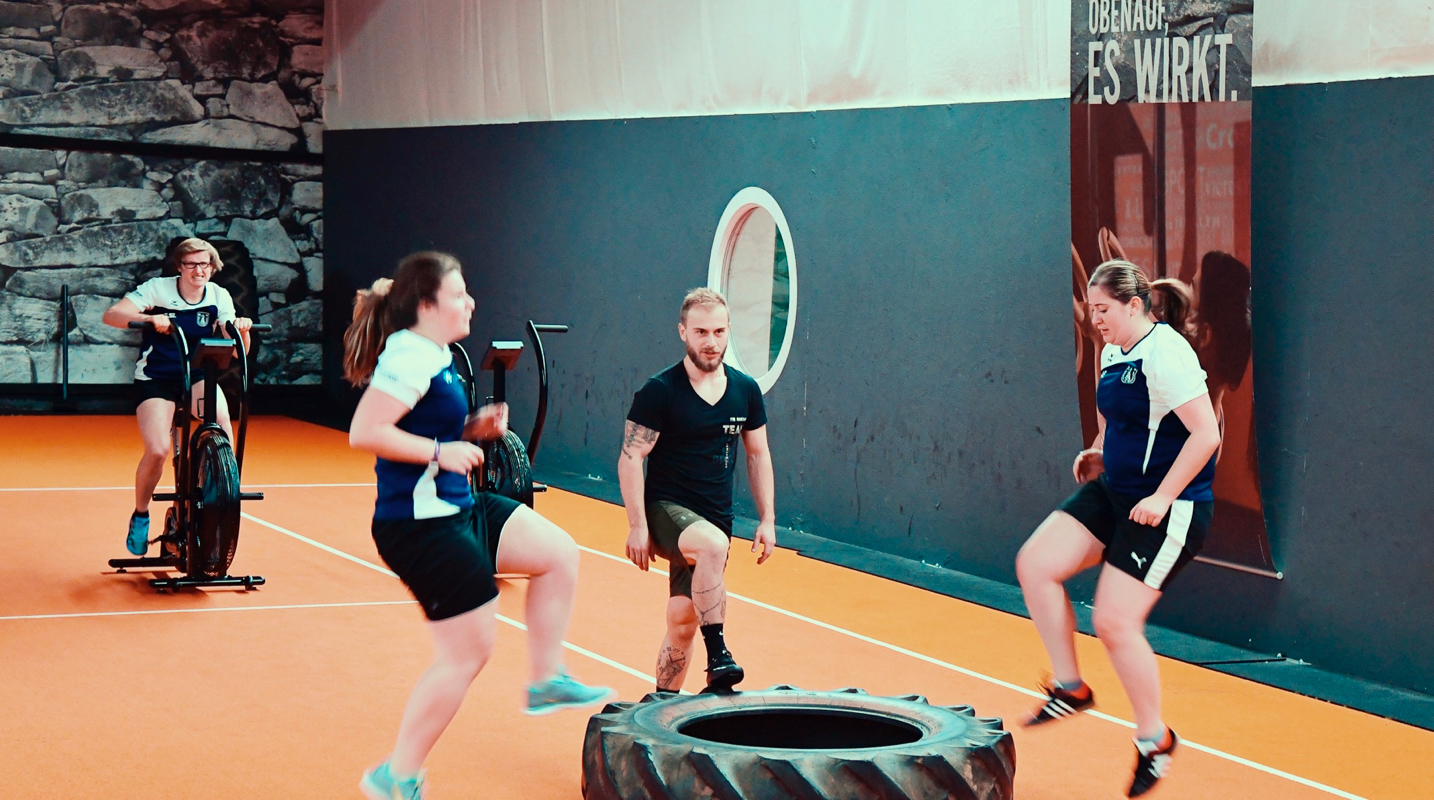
(141, 514)
(1161, 740)
(712, 638)
(1078, 688)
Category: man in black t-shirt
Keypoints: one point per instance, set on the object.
(686, 421)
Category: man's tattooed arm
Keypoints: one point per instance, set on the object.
(637, 440)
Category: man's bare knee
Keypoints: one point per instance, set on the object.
(704, 543)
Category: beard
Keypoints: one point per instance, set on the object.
(706, 363)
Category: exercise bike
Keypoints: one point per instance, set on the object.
(507, 462)
(201, 528)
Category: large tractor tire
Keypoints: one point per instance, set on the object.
(787, 743)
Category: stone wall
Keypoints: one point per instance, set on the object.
(221, 73)
(168, 75)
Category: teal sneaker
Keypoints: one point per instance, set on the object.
(560, 692)
(380, 784)
(138, 539)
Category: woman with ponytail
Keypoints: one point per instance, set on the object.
(441, 539)
(1143, 509)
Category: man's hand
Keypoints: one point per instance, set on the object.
(160, 322)
(491, 422)
(1151, 510)
(639, 548)
(766, 536)
(243, 324)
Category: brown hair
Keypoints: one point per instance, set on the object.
(193, 245)
(1173, 300)
(391, 305)
(707, 298)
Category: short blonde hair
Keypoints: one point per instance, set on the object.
(195, 245)
(707, 298)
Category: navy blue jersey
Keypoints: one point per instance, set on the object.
(695, 456)
(158, 355)
(419, 373)
(1138, 394)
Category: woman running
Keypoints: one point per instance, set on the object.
(1143, 509)
(444, 541)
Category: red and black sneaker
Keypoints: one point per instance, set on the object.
(1060, 703)
(1152, 761)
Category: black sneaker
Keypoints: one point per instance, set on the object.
(1060, 703)
(1151, 763)
(723, 671)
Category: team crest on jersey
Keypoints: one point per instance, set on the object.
(1130, 374)
(201, 319)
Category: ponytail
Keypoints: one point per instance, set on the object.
(1172, 306)
(364, 339)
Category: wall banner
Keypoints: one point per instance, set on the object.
(1160, 176)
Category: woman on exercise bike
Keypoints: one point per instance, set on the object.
(198, 307)
(442, 540)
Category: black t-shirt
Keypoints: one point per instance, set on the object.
(696, 454)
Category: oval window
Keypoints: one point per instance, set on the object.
(753, 266)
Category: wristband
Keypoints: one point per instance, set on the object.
(436, 446)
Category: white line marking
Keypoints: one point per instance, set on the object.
(205, 610)
(507, 620)
(131, 488)
(997, 681)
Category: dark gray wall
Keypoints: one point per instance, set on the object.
(929, 408)
(1343, 276)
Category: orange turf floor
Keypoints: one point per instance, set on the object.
(109, 690)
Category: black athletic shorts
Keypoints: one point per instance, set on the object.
(447, 562)
(171, 390)
(665, 524)
(1150, 554)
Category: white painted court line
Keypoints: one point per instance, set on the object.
(501, 618)
(1004, 684)
(207, 610)
(131, 488)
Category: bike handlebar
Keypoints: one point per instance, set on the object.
(258, 327)
(543, 328)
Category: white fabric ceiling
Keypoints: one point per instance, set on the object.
(405, 63)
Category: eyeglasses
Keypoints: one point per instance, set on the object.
(195, 266)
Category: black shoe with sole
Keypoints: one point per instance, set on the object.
(1060, 704)
(723, 671)
(1151, 763)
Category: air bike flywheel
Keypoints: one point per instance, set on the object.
(787, 743)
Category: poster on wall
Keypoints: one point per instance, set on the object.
(1160, 176)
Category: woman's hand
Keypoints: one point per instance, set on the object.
(243, 324)
(1088, 465)
(160, 322)
(1151, 510)
(459, 457)
(491, 422)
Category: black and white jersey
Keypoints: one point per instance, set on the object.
(419, 373)
(158, 355)
(1138, 393)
